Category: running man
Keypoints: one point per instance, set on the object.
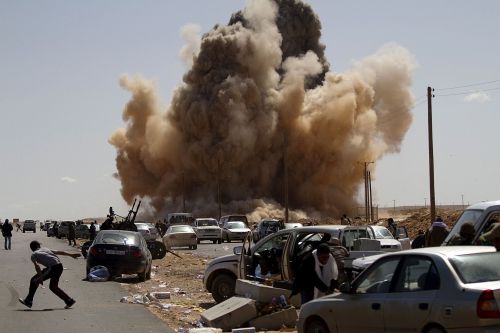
(53, 270)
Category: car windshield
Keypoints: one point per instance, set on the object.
(117, 238)
(382, 233)
(142, 226)
(207, 223)
(181, 228)
(236, 225)
(471, 216)
(238, 218)
(478, 267)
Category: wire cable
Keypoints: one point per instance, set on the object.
(469, 85)
(467, 92)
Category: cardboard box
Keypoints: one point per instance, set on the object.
(231, 313)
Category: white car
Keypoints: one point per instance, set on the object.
(180, 236)
(428, 290)
(208, 229)
(234, 230)
(147, 230)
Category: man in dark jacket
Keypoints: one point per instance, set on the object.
(7, 233)
(71, 234)
(436, 233)
(92, 230)
(317, 274)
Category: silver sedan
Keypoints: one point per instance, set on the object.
(180, 236)
(429, 290)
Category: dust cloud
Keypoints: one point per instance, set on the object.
(256, 88)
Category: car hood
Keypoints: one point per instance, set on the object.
(226, 258)
(239, 230)
(363, 262)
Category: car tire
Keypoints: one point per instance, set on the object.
(214, 241)
(219, 241)
(223, 287)
(195, 247)
(23, 231)
(316, 326)
(142, 276)
(198, 241)
(227, 239)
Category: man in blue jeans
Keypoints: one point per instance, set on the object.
(53, 270)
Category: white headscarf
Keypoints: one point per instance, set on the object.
(330, 272)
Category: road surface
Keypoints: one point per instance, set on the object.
(97, 309)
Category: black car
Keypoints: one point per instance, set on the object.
(122, 252)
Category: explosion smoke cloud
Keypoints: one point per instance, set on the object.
(253, 83)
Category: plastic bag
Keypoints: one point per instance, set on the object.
(98, 274)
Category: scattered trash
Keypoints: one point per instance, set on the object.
(205, 330)
(163, 285)
(161, 294)
(98, 274)
(187, 312)
(199, 276)
(179, 291)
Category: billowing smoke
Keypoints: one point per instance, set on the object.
(260, 89)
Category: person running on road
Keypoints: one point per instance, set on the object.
(53, 270)
(71, 234)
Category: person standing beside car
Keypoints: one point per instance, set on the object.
(436, 234)
(7, 233)
(92, 230)
(71, 234)
(492, 236)
(316, 276)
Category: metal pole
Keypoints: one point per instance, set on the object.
(463, 206)
(285, 166)
(394, 207)
(370, 195)
(431, 155)
(183, 194)
(366, 191)
(218, 188)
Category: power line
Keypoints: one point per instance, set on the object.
(467, 92)
(469, 85)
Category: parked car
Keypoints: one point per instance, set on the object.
(208, 229)
(233, 217)
(82, 231)
(46, 225)
(378, 232)
(234, 230)
(429, 290)
(147, 230)
(482, 215)
(180, 219)
(267, 227)
(180, 236)
(122, 252)
(29, 225)
(63, 228)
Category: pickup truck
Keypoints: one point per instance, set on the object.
(482, 215)
(282, 252)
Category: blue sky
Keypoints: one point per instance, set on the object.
(60, 99)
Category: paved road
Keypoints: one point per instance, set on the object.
(97, 308)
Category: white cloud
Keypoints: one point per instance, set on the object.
(67, 179)
(479, 96)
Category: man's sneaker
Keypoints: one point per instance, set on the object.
(25, 303)
(70, 303)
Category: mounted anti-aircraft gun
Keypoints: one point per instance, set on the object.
(157, 248)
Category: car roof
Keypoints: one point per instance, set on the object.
(125, 232)
(484, 205)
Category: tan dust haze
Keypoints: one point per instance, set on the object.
(252, 83)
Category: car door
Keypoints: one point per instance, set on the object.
(362, 310)
(410, 301)
(245, 260)
(403, 238)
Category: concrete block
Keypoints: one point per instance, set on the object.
(243, 330)
(231, 313)
(263, 293)
(275, 320)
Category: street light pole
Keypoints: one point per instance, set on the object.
(394, 207)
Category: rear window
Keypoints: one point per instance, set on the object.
(181, 228)
(117, 238)
(238, 218)
(206, 223)
(236, 225)
(478, 267)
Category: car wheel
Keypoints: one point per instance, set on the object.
(148, 274)
(198, 241)
(142, 276)
(316, 326)
(227, 239)
(195, 247)
(214, 241)
(223, 287)
(23, 231)
(435, 330)
(219, 241)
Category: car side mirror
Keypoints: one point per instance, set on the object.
(237, 249)
(345, 288)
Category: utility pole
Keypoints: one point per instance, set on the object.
(394, 207)
(431, 154)
(285, 174)
(367, 191)
(218, 188)
(183, 193)
(370, 195)
(425, 202)
(463, 207)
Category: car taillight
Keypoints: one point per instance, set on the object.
(93, 251)
(487, 305)
(137, 253)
